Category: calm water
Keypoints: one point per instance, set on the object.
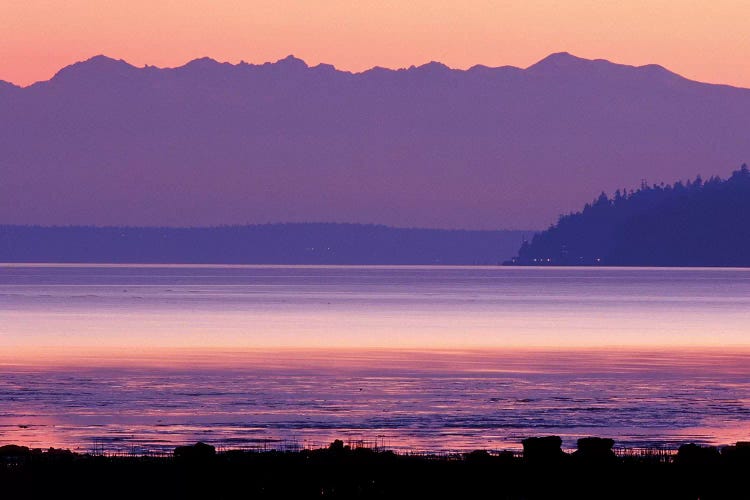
(146, 357)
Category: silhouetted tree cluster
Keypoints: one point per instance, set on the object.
(697, 223)
(341, 471)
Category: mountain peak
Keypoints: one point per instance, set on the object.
(101, 61)
(564, 63)
(327, 67)
(659, 71)
(202, 62)
(291, 62)
(558, 60)
(432, 67)
(94, 68)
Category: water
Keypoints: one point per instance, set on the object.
(436, 359)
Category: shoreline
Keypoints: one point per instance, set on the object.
(543, 470)
(666, 450)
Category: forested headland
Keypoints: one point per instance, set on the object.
(695, 223)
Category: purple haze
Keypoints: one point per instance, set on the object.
(107, 143)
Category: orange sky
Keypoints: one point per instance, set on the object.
(707, 41)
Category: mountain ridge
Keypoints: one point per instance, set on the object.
(207, 143)
(554, 61)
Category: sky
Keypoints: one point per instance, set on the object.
(706, 41)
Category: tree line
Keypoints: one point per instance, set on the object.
(693, 223)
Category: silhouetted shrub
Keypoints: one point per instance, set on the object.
(693, 454)
(477, 457)
(595, 450)
(738, 454)
(337, 446)
(198, 451)
(542, 449)
(12, 450)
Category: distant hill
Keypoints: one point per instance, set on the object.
(208, 143)
(260, 244)
(694, 224)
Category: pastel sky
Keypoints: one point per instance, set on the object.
(702, 40)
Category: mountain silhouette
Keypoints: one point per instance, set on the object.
(106, 143)
(7, 90)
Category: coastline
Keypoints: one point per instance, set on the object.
(543, 470)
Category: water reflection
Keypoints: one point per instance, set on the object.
(417, 358)
(407, 400)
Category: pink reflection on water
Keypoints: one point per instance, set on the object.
(407, 400)
(419, 358)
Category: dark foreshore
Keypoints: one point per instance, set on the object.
(543, 470)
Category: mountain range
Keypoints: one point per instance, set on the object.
(107, 143)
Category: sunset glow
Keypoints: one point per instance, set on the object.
(374, 248)
(706, 41)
